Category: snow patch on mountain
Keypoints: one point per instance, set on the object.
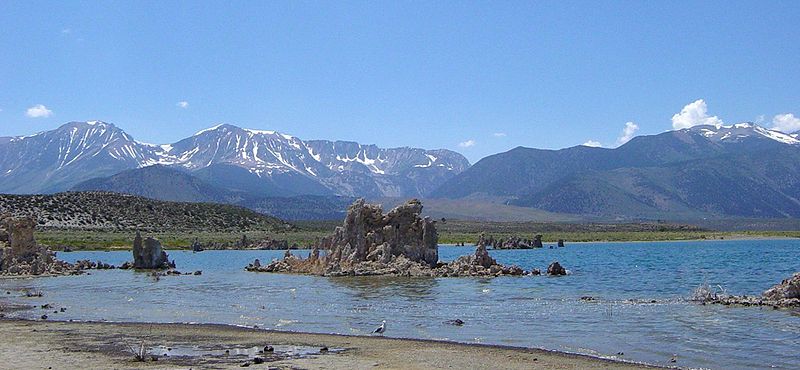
(741, 131)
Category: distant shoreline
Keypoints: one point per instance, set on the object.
(96, 345)
(727, 237)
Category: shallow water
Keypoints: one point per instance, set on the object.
(539, 311)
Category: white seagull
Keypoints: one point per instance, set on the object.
(381, 328)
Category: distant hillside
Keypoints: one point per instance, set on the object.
(112, 211)
(304, 207)
(173, 184)
(159, 182)
(742, 170)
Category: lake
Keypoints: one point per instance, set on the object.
(639, 307)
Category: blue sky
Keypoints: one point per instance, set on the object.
(476, 77)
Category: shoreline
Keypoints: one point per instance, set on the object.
(568, 243)
(101, 345)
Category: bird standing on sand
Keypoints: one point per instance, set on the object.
(381, 328)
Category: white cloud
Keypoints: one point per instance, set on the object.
(183, 104)
(38, 111)
(693, 114)
(593, 144)
(786, 122)
(627, 133)
(499, 134)
(467, 144)
(66, 31)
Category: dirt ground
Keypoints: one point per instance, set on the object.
(73, 345)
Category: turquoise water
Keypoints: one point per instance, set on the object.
(538, 311)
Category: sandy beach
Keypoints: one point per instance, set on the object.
(73, 345)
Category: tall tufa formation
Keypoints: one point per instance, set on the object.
(369, 235)
(370, 242)
(21, 255)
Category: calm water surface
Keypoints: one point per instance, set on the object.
(520, 311)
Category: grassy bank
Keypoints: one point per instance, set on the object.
(632, 236)
(449, 233)
(102, 240)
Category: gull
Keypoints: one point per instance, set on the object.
(381, 328)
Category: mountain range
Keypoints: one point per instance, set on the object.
(258, 162)
(741, 170)
(702, 172)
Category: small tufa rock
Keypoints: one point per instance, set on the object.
(555, 269)
(148, 254)
(787, 289)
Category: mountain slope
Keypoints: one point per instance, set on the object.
(176, 184)
(159, 182)
(55, 160)
(740, 170)
(263, 162)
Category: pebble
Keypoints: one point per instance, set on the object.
(269, 349)
(258, 360)
(44, 317)
(246, 364)
(323, 349)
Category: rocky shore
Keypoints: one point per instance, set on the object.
(399, 243)
(783, 295)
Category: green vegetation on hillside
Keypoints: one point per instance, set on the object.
(107, 212)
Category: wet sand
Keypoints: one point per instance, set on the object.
(73, 345)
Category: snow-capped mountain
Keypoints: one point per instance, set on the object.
(742, 132)
(53, 160)
(77, 151)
